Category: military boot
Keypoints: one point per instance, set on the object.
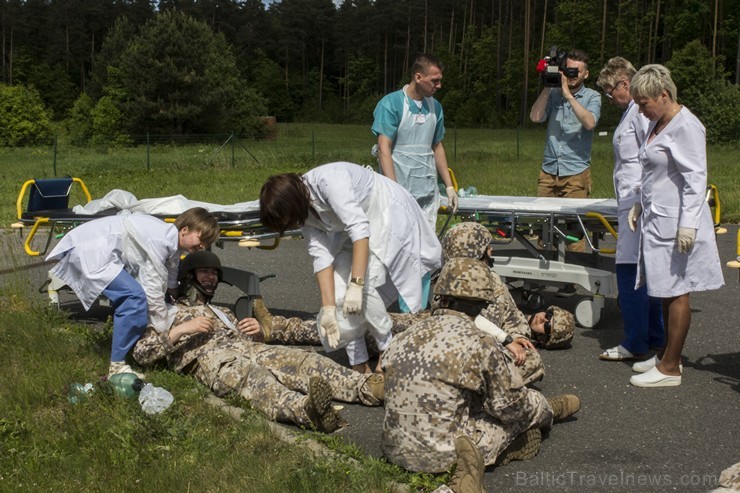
(376, 386)
(564, 406)
(468, 477)
(318, 406)
(524, 447)
(264, 317)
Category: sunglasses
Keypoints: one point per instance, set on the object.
(609, 93)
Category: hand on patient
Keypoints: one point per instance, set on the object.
(250, 327)
(329, 327)
(353, 299)
(634, 215)
(519, 348)
(686, 238)
(192, 326)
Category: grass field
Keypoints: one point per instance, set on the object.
(497, 162)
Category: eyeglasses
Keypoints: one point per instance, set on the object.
(609, 93)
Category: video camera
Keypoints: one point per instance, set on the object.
(554, 63)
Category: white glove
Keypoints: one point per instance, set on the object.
(353, 299)
(633, 215)
(329, 327)
(685, 238)
(452, 198)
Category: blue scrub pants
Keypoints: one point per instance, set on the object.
(642, 314)
(129, 316)
(426, 284)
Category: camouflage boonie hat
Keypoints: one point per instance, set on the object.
(562, 324)
(465, 278)
(466, 240)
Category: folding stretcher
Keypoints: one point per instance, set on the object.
(47, 210)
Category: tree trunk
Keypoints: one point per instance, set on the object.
(603, 31)
(527, 24)
(655, 34)
(544, 23)
(426, 15)
(321, 74)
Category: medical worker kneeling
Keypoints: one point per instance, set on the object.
(369, 241)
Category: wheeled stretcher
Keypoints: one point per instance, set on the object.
(531, 236)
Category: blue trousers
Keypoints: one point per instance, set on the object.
(642, 314)
(426, 286)
(129, 315)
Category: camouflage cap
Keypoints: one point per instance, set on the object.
(466, 240)
(202, 259)
(465, 278)
(562, 325)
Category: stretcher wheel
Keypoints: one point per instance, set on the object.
(588, 313)
(535, 301)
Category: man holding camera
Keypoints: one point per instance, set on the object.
(572, 112)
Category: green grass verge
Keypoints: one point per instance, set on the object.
(106, 443)
(497, 162)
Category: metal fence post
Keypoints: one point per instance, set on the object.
(232, 148)
(55, 155)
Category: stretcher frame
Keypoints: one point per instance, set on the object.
(542, 234)
(246, 229)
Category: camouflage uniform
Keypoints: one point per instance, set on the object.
(444, 378)
(471, 240)
(274, 379)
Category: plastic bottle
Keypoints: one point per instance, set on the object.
(154, 400)
(78, 392)
(471, 191)
(126, 384)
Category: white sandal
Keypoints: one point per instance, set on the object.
(617, 353)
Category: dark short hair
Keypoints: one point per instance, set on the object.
(284, 202)
(578, 56)
(423, 62)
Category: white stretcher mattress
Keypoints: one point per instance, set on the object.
(504, 203)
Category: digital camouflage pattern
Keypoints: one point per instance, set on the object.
(273, 378)
(465, 278)
(562, 325)
(445, 378)
(466, 240)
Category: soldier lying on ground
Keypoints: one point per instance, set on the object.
(286, 384)
(452, 391)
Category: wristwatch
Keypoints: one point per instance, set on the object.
(507, 341)
(360, 281)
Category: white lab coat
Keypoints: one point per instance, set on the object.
(673, 192)
(93, 254)
(628, 137)
(352, 203)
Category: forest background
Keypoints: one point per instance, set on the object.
(111, 71)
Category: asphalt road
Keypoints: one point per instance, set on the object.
(624, 438)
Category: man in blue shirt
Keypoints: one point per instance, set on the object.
(571, 112)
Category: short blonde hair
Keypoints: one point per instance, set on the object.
(651, 80)
(616, 69)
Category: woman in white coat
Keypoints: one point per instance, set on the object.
(678, 253)
(641, 314)
(369, 240)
